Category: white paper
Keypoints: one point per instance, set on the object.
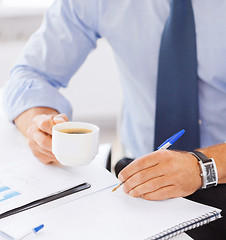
(182, 236)
(115, 215)
(31, 180)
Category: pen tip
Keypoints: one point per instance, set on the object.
(120, 184)
(115, 188)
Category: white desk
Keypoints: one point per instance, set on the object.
(12, 141)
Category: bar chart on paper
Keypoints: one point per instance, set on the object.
(7, 193)
(27, 181)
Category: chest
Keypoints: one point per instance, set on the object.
(135, 29)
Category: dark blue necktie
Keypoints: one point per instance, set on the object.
(177, 86)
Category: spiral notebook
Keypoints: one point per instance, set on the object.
(115, 215)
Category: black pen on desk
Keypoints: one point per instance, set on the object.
(164, 145)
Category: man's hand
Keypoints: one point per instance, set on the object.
(161, 175)
(39, 136)
(36, 124)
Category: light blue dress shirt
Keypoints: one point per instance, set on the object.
(133, 28)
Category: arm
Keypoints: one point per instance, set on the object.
(167, 174)
(50, 57)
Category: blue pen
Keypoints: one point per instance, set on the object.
(170, 141)
(32, 231)
(164, 145)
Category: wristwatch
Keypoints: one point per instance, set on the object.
(208, 169)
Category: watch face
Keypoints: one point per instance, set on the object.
(210, 171)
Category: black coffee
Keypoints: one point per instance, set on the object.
(75, 130)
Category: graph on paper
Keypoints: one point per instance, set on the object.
(7, 193)
(26, 181)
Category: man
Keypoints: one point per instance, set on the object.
(136, 31)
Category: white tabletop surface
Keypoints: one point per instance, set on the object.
(12, 141)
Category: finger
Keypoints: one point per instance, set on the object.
(139, 164)
(44, 158)
(162, 194)
(150, 186)
(143, 176)
(33, 145)
(60, 118)
(44, 123)
(42, 139)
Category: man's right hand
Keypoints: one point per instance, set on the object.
(36, 124)
(39, 136)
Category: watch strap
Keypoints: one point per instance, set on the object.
(202, 157)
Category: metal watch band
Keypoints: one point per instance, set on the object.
(208, 167)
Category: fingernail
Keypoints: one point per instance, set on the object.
(120, 177)
(131, 193)
(58, 119)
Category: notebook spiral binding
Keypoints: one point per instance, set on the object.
(185, 226)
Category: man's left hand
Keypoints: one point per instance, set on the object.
(161, 175)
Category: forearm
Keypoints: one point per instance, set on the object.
(24, 120)
(218, 153)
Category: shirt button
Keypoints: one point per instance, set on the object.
(200, 121)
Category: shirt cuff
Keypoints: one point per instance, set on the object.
(19, 96)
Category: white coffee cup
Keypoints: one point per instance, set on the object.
(75, 149)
